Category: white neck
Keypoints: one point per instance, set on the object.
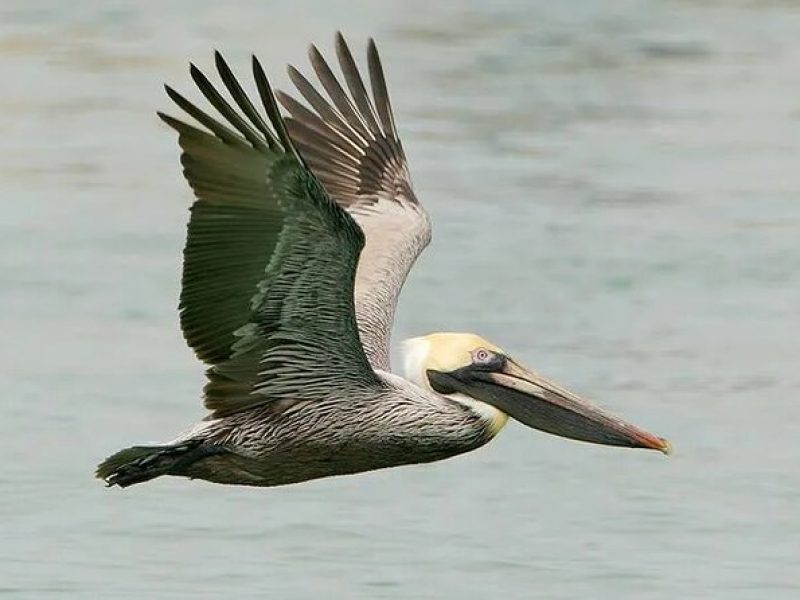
(415, 355)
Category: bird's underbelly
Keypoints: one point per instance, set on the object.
(303, 464)
(285, 452)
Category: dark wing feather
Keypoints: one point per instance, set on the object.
(380, 91)
(270, 260)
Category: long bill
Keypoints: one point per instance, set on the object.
(544, 405)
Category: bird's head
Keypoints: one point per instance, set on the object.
(471, 370)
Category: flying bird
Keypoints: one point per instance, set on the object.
(301, 235)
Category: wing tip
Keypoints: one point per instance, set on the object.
(273, 111)
(166, 118)
(171, 92)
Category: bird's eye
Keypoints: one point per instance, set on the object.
(482, 356)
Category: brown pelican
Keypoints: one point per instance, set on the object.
(301, 235)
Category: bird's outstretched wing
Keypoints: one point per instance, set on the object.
(350, 142)
(270, 259)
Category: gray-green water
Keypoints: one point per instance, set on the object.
(614, 187)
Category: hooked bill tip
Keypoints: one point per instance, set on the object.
(666, 447)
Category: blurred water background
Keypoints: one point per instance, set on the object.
(615, 193)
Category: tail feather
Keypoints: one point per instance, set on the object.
(143, 463)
